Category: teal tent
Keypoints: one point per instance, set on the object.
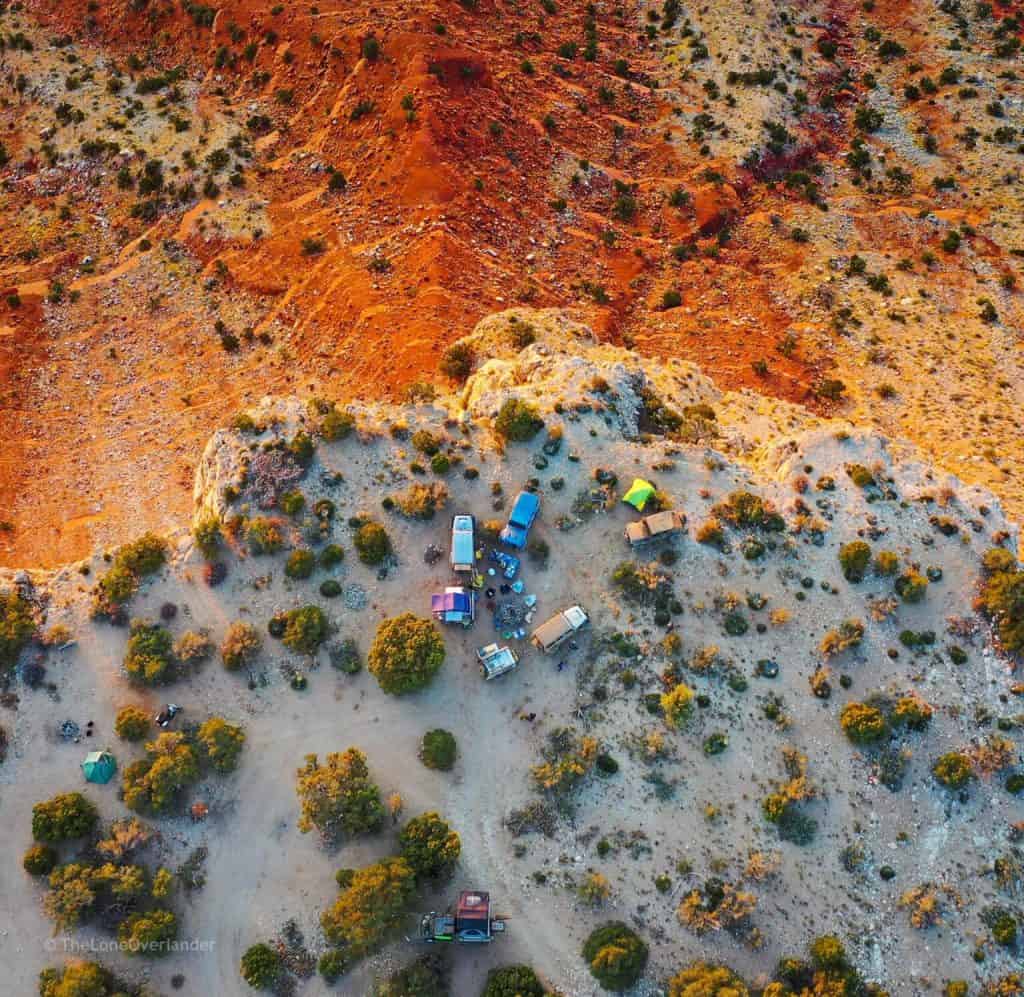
(99, 766)
(639, 492)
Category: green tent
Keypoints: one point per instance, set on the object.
(639, 492)
(99, 766)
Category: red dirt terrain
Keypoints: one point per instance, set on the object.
(205, 204)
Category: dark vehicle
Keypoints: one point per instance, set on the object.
(524, 512)
(471, 923)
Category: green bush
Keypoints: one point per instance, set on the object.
(149, 657)
(1002, 598)
(207, 534)
(240, 646)
(438, 749)
(424, 977)
(261, 966)
(330, 589)
(406, 654)
(16, 628)
(67, 815)
(702, 979)
(372, 907)
(457, 361)
(149, 932)
(854, 558)
(338, 797)
(345, 657)
(863, 724)
(616, 955)
(425, 442)
(132, 562)
(828, 953)
(513, 981)
(292, 503)
(953, 770)
(518, 420)
(39, 860)
(337, 425)
(263, 535)
(430, 846)
(331, 555)
(302, 447)
(131, 723)
(152, 784)
(372, 543)
(221, 744)
(911, 586)
(333, 965)
(886, 563)
(742, 509)
(305, 629)
(300, 564)
(78, 978)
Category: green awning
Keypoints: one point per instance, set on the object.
(639, 492)
(99, 766)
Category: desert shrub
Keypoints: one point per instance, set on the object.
(676, 705)
(152, 784)
(457, 361)
(220, 743)
(1002, 598)
(438, 749)
(886, 563)
(913, 712)
(702, 979)
(207, 535)
(372, 543)
(131, 564)
(863, 724)
(263, 535)
(425, 442)
(39, 860)
(300, 563)
(567, 761)
(616, 955)
(302, 447)
(371, 907)
(330, 589)
(953, 770)
(911, 586)
(518, 420)
(305, 629)
(78, 978)
(193, 647)
(292, 503)
(854, 559)
(148, 658)
(827, 952)
(848, 634)
(241, 644)
(148, 932)
(406, 653)
(742, 509)
(513, 981)
(423, 977)
(345, 656)
(261, 966)
(642, 583)
(430, 846)
(860, 475)
(331, 555)
(711, 533)
(421, 501)
(67, 815)
(338, 797)
(131, 723)
(594, 890)
(333, 965)
(336, 425)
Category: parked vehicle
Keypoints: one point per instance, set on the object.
(463, 554)
(549, 635)
(495, 660)
(471, 922)
(455, 605)
(657, 526)
(524, 512)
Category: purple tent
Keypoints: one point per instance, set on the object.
(455, 605)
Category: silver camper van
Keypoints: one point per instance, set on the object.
(463, 554)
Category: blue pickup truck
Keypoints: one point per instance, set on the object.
(524, 512)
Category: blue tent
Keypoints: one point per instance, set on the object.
(99, 766)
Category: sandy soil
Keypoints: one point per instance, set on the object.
(262, 871)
